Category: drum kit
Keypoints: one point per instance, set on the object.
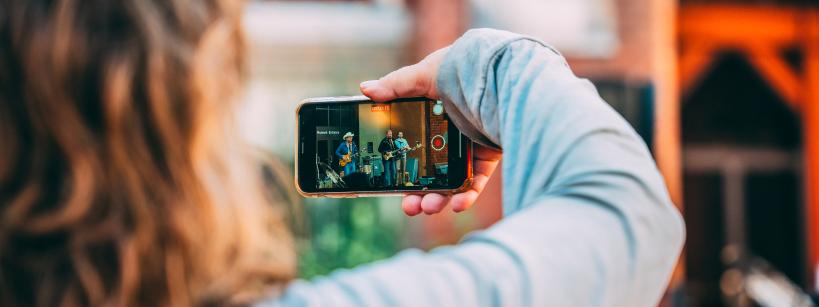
(371, 165)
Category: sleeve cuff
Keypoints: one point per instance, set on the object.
(462, 80)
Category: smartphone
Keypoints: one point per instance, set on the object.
(352, 147)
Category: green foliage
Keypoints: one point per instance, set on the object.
(344, 233)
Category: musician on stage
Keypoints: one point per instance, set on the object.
(401, 157)
(388, 145)
(347, 150)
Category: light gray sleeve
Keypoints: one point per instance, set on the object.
(588, 221)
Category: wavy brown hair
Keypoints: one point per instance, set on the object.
(120, 181)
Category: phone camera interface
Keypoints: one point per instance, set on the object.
(381, 146)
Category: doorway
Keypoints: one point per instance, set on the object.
(742, 166)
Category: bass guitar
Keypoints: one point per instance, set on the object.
(390, 154)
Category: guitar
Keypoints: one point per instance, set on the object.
(388, 155)
(346, 159)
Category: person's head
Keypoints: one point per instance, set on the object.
(119, 182)
(348, 137)
(389, 134)
(400, 134)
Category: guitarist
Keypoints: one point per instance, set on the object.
(401, 157)
(387, 145)
(347, 150)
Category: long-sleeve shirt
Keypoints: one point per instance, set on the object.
(344, 149)
(587, 218)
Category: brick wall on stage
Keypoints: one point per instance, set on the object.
(437, 126)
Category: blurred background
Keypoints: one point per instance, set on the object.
(725, 92)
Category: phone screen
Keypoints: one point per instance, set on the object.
(363, 146)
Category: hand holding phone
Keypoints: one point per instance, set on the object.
(419, 80)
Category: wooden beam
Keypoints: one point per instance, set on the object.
(695, 60)
(776, 73)
(811, 140)
(758, 31)
(740, 24)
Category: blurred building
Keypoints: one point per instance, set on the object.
(749, 110)
(725, 92)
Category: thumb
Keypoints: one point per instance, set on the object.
(409, 81)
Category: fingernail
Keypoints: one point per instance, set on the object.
(368, 84)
